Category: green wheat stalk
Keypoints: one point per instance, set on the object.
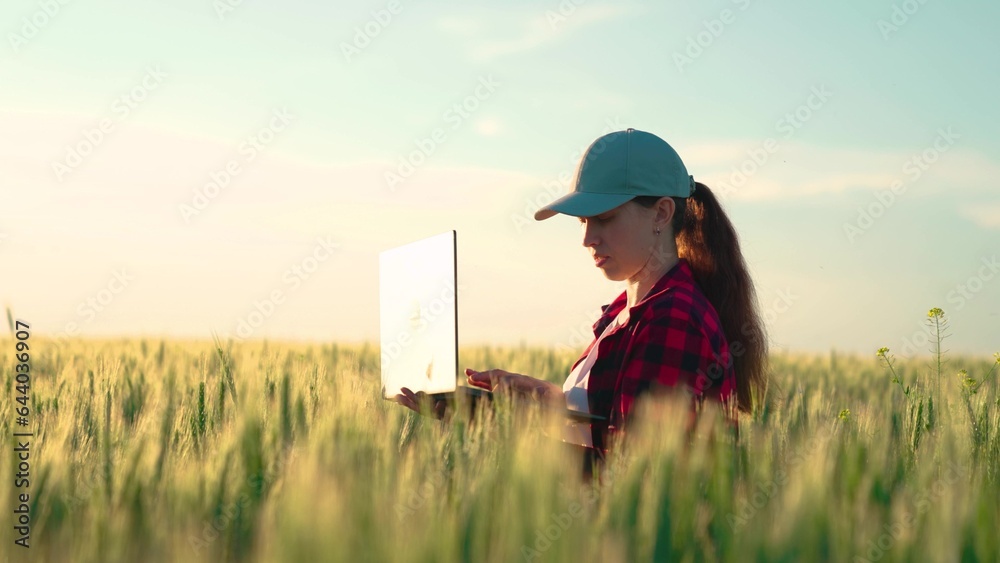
(227, 367)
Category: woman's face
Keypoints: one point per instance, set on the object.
(620, 240)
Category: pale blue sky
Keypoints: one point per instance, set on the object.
(559, 82)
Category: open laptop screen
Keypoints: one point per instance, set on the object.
(418, 316)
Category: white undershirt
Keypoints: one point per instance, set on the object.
(575, 389)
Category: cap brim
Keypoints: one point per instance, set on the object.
(582, 204)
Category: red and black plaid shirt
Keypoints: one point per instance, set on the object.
(673, 338)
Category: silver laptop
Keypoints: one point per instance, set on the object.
(418, 321)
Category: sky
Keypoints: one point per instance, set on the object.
(235, 167)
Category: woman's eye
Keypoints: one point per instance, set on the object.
(597, 220)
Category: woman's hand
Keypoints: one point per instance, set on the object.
(420, 402)
(504, 382)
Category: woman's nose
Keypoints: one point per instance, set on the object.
(589, 237)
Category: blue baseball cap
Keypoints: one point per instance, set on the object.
(618, 167)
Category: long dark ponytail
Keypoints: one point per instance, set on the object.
(707, 240)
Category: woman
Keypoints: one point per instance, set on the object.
(687, 318)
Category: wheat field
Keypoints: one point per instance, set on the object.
(172, 450)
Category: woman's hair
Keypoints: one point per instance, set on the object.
(707, 240)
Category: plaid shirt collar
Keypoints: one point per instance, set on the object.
(679, 274)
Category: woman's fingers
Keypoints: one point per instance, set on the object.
(500, 381)
(411, 399)
(489, 378)
(405, 401)
(483, 379)
(407, 398)
(419, 402)
(482, 385)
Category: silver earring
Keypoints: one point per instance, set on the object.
(657, 231)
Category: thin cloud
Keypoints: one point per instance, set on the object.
(547, 27)
(798, 170)
(986, 216)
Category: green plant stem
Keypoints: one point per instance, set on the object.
(988, 375)
(895, 376)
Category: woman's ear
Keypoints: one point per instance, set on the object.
(665, 209)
